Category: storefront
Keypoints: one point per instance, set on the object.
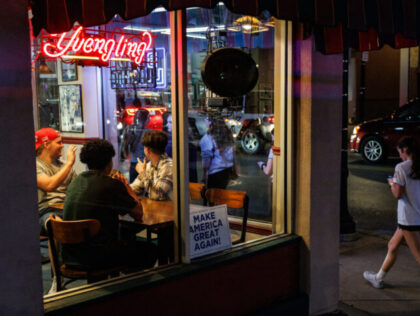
(292, 260)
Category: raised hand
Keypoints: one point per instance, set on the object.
(141, 165)
(71, 154)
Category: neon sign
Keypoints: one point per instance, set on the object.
(81, 45)
(152, 76)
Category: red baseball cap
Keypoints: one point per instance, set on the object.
(45, 135)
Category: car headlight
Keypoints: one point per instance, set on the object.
(119, 126)
(356, 129)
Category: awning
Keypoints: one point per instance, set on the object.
(363, 24)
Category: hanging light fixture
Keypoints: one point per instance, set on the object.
(248, 25)
(271, 22)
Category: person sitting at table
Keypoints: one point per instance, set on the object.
(52, 175)
(102, 193)
(155, 171)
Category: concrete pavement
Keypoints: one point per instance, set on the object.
(401, 295)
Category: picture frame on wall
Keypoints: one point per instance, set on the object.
(266, 91)
(71, 109)
(68, 72)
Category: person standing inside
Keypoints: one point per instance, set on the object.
(132, 140)
(192, 150)
(155, 171)
(102, 194)
(405, 186)
(217, 155)
(52, 175)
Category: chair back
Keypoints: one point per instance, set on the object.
(232, 199)
(197, 192)
(73, 232)
(67, 232)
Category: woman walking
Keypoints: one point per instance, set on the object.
(405, 186)
(217, 155)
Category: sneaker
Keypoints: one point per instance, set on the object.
(371, 277)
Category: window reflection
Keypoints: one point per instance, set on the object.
(235, 133)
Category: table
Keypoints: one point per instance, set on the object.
(158, 217)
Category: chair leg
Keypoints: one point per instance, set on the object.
(56, 273)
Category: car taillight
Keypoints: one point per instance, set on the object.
(131, 112)
(271, 119)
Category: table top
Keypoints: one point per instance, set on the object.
(154, 212)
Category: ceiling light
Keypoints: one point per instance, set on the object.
(248, 25)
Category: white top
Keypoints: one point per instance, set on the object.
(409, 204)
(212, 158)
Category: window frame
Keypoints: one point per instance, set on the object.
(283, 193)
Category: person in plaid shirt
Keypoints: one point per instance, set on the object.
(155, 171)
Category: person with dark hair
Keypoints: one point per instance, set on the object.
(131, 144)
(267, 167)
(155, 171)
(52, 175)
(405, 186)
(217, 155)
(192, 150)
(102, 193)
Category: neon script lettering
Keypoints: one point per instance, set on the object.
(133, 48)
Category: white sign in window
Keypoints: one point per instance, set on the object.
(209, 230)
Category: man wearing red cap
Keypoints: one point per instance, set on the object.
(53, 176)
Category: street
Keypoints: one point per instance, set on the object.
(255, 183)
(370, 200)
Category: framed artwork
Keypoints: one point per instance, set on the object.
(266, 91)
(68, 72)
(71, 110)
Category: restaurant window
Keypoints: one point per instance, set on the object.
(231, 108)
(85, 96)
(231, 125)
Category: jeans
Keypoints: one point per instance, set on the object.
(44, 214)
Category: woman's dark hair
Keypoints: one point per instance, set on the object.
(140, 118)
(97, 154)
(220, 133)
(412, 148)
(155, 140)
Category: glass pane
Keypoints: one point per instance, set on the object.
(47, 94)
(125, 104)
(230, 94)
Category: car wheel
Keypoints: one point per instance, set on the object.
(250, 142)
(373, 149)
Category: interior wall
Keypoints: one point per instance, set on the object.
(318, 95)
(20, 265)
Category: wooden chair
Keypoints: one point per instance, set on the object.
(197, 192)
(73, 232)
(235, 200)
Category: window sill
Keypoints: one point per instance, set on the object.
(91, 294)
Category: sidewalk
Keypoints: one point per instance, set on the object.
(401, 295)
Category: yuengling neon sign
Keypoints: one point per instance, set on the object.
(73, 44)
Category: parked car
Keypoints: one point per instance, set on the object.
(254, 132)
(377, 139)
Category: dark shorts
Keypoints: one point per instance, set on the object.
(411, 228)
(219, 180)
